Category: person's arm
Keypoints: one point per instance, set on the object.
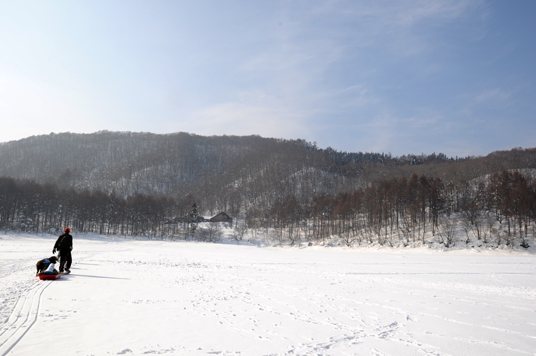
(56, 245)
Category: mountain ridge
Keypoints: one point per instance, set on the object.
(224, 172)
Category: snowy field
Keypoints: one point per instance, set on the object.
(137, 297)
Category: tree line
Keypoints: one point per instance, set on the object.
(499, 208)
(32, 207)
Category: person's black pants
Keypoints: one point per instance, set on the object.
(65, 260)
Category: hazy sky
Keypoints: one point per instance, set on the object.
(456, 77)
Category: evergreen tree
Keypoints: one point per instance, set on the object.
(193, 217)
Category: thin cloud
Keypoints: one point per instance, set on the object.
(494, 95)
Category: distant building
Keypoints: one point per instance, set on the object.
(222, 217)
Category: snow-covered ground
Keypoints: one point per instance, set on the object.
(138, 297)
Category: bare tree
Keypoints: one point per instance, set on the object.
(446, 231)
(239, 232)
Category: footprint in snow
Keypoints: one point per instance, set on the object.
(411, 318)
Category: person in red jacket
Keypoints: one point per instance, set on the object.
(64, 244)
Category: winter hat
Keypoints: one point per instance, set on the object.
(67, 230)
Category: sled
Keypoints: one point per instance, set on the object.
(43, 276)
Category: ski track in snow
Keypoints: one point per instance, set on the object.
(149, 297)
(22, 318)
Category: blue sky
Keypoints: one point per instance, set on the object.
(456, 77)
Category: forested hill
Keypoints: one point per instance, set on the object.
(175, 165)
(224, 172)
